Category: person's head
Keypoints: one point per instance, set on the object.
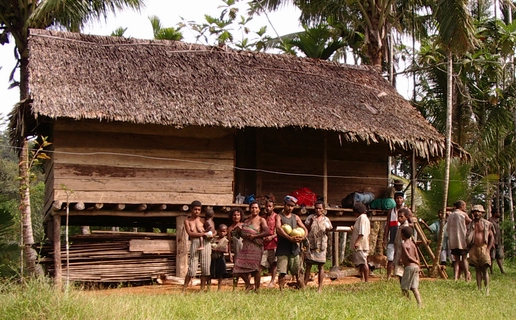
(269, 207)
(319, 208)
(289, 204)
(359, 208)
(399, 198)
(254, 208)
(398, 185)
(460, 204)
(477, 211)
(406, 233)
(209, 214)
(236, 214)
(441, 214)
(196, 207)
(403, 215)
(222, 230)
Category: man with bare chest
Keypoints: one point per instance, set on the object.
(480, 241)
(195, 229)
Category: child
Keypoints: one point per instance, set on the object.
(410, 259)
(219, 246)
(208, 226)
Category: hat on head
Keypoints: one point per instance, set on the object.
(399, 194)
(478, 207)
(359, 208)
(290, 199)
(398, 182)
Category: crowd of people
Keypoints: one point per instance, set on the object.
(265, 241)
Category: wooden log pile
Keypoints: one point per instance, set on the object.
(115, 257)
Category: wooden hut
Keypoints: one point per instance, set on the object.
(140, 128)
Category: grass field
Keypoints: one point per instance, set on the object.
(442, 299)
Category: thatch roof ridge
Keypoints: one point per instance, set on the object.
(180, 84)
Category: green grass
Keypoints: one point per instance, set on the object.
(442, 299)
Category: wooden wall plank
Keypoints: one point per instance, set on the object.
(152, 246)
(144, 197)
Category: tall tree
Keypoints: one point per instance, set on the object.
(16, 19)
(456, 35)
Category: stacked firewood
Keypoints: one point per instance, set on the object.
(115, 257)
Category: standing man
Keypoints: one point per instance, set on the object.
(391, 228)
(195, 229)
(457, 226)
(497, 250)
(360, 239)
(288, 249)
(270, 242)
(480, 241)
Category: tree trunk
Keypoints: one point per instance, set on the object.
(29, 253)
(449, 110)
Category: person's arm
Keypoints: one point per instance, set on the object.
(357, 242)
(408, 254)
(280, 231)
(308, 222)
(302, 225)
(490, 238)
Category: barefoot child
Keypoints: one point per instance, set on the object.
(219, 246)
(410, 259)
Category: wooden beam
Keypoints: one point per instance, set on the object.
(58, 267)
(182, 247)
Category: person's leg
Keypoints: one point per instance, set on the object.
(500, 265)
(405, 293)
(456, 266)
(273, 269)
(187, 281)
(390, 260)
(282, 266)
(478, 273)
(321, 276)
(485, 276)
(417, 296)
(465, 265)
(257, 278)
(307, 270)
(365, 271)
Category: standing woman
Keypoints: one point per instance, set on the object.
(248, 261)
(318, 226)
(235, 240)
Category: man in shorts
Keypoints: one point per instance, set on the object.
(458, 221)
(359, 241)
(288, 249)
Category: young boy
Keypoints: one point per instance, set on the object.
(209, 226)
(410, 259)
(219, 246)
(359, 241)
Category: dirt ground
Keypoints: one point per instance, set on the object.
(174, 285)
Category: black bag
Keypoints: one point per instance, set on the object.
(348, 201)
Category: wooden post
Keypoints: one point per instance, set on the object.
(325, 170)
(335, 249)
(56, 235)
(182, 247)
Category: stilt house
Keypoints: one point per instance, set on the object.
(141, 128)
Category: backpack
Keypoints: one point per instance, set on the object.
(305, 197)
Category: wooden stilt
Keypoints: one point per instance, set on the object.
(58, 268)
(182, 247)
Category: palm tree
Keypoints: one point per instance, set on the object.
(375, 19)
(16, 18)
(456, 36)
(164, 33)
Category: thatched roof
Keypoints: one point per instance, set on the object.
(180, 84)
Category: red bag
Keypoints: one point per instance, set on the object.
(305, 197)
